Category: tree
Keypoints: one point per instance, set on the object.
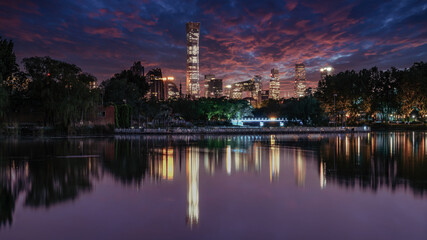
(127, 87)
(8, 66)
(59, 90)
(413, 88)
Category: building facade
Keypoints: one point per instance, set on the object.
(193, 34)
(213, 86)
(326, 71)
(274, 92)
(300, 82)
(247, 89)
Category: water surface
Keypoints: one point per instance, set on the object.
(354, 186)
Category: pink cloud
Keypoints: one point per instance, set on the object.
(107, 32)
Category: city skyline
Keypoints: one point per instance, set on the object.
(237, 39)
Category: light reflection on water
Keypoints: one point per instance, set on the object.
(47, 172)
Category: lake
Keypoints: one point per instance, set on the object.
(313, 186)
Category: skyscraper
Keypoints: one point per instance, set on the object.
(208, 79)
(325, 72)
(274, 92)
(193, 33)
(300, 85)
(213, 86)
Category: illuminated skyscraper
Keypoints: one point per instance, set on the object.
(325, 72)
(300, 85)
(274, 92)
(213, 87)
(193, 33)
(247, 89)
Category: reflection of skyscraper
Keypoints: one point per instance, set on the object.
(274, 92)
(192, 186)
(193, 33)
(228, 159)
(300, 84)
(274, 160)
(322, 174)
(299, 168)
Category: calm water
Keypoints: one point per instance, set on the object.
(368, 186)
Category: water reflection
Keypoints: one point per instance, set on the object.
(48, 172)
(192, 186)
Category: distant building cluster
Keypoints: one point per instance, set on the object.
(163, 88)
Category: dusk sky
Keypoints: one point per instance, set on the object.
(239, 39)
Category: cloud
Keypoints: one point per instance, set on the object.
(239, 39)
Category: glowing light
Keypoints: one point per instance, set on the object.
(228, 86)
(274, 163)
(171, 78)
(192, 186)
(228, 160)
(273, 118)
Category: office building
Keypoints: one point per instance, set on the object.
(326, 71)
(193, 33)
(274, 92)
(300, 81)
(247, 89)
(213, 86)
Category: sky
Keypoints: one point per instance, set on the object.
(239, 39)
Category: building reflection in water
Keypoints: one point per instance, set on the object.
(192, 163)
(366, 161)
(162, 166)
(228, 159)
(322, 174)
(274, 157)
(299, 167)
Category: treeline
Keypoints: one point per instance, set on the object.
(55, 93)
(307, 110)
(383, 95)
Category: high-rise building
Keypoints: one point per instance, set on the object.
(137, 69)
(156, 84)
(325, 72)
(247, 89)
(274, 92)
(170, 88)
(213, 86)
(208, 78)
(300, 84)
(193, 33)
(227, 91)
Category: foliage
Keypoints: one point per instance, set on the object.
(59, 90)
(375, 92)
(123, 116)
(8, 66)
(127, 87)
(306, 109)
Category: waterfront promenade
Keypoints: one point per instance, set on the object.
(244, 130)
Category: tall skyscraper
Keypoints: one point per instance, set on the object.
(193, 33)
(300, 85)
(274, 92)
(325, 72)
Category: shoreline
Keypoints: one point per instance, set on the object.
(244, 130)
